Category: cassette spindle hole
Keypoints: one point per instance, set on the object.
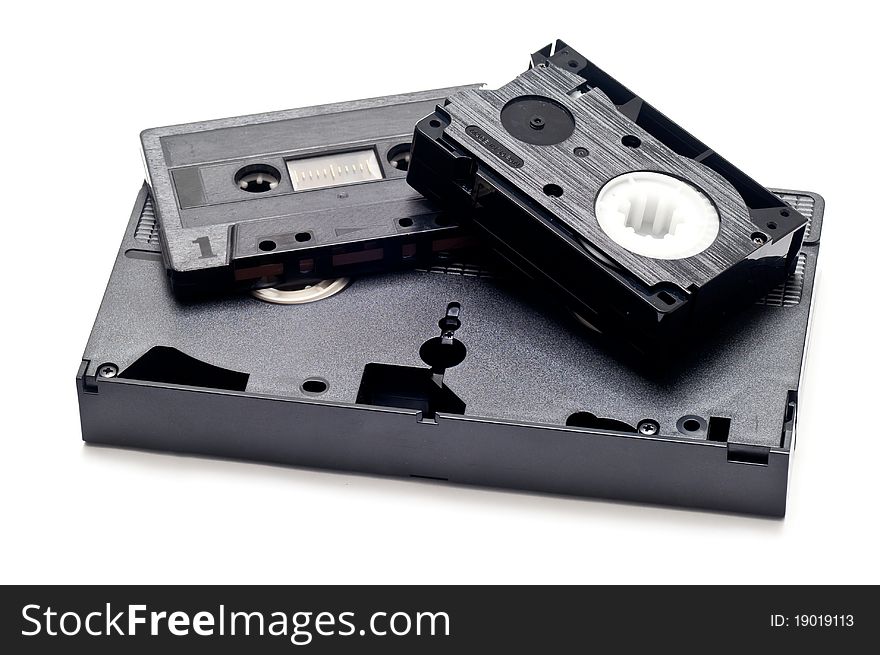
(257, 178)
(691, 425)
(399, 156)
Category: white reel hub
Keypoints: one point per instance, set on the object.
(657, 215)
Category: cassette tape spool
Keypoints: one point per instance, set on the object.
(637, 226)
(305, 194)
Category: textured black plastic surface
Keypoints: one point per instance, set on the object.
(531, 375)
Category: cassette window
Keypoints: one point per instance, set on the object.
(339, 169)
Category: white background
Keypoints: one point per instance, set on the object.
(787, 92)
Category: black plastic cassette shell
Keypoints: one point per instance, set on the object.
(559, 240)
(528, 368)
(581, 177)
(211, 239)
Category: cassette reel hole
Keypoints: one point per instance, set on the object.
(399, 156)
(268, 245)
(257, 178)
(314, 386)
(691, 425)
(553, 190)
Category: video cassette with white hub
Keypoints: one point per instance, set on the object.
(641, 229)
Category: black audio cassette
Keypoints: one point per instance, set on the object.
(305, 194)
(642, 230)
(451, 373)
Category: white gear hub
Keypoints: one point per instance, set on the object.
(657, 215)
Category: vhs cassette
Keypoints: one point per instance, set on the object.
(448, 373)
(641, 229)
(306, 194)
